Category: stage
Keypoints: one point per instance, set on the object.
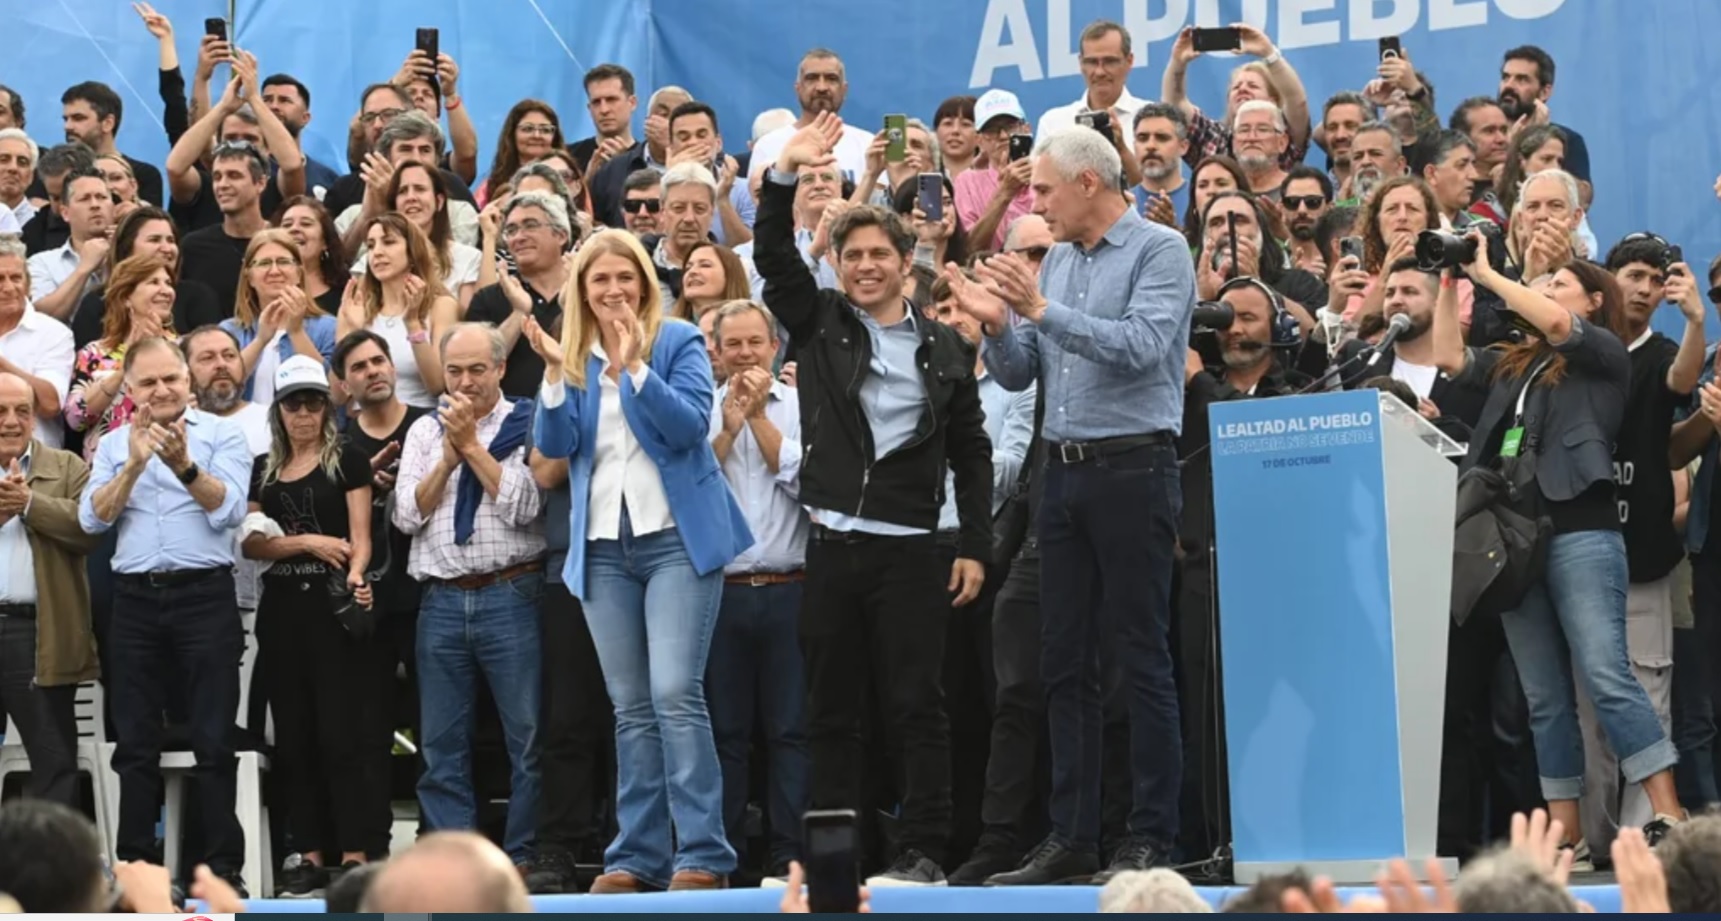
(935, 900)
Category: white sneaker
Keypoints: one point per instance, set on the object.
(1581, 862)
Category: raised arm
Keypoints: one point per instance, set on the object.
(791, 293)
(462, 136)
(1174, 86)
(1687, 366)
(1293, 98)
(1450, 355)
(283, 147)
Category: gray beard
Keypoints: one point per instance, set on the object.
(1156, 173)
(1242, 359)
(210, 399)
(1253, 165)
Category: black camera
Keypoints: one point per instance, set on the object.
(1098, 120)
(1211, 317)
(1441, 249)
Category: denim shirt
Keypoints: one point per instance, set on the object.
(1697, 515)
(321, 329)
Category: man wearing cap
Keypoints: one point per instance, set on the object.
(46, 646)
(174, 479)
(989, 200)
(467, 497)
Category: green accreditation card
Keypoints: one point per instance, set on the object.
(1513, 440)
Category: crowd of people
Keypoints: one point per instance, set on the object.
(839, 469)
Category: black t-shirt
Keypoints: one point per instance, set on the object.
(1643, 482)
(212, 257)
(194, 305)
(525, 372)
(202, 211)
(312, 504)
(394, 590)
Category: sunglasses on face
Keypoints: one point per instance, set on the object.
(1715, 295)
(1303, 202)
(647, 205)
(302, 402)
(1035, 253)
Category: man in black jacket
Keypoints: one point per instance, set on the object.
(887, 401)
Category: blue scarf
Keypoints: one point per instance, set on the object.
(470, 493)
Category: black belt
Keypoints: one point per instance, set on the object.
(1073, 452)
(171, 578)
(19, 611)
(823, 535)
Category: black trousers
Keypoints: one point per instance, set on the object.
(1205, 795)
(575, 736)
(46, 717)
(187, 633)
(874, 614)
(1018, 769)
(1467, 751)
(968, 692)
(333, 727)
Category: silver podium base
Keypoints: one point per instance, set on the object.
(1342, 872)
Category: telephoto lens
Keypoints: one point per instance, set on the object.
(1437, 249)
(1211, 317)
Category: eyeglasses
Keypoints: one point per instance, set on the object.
(543, 131)
(568, 177)
(304, 402)
(1108, 63)
(280, 263)
(382, 115)
(1035, 253)
(527, 226)
(637, 205)
(1256, 131)
(1303, 202)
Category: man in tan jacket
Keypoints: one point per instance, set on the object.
(46, 645)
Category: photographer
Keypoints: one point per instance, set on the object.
(1237, 214)
(1560, 395)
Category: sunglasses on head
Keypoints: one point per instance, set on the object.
(299, 402)
(1303, 202)
(637, 205)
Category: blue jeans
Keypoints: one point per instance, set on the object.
(755, 670)
(494, 631)
(1573, 622)
(651, 617)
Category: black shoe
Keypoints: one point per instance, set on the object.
(1658, 828)
(987, 861)
(237, 881)
(1051, 863)
(552, 873)
(1136, 854)
(911, 868)
(301, 879)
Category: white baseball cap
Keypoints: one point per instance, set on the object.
(300, 372)
(994, 103)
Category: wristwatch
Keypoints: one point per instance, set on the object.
(189, 475)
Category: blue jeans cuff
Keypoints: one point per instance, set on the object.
(1649, 762)
(1562, 788)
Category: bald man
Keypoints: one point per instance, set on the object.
(448, 871)
(46, 645)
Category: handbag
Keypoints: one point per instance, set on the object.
(358, 620)
(1010, 524)
(1500, 546)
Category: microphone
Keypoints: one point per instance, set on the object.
(1397, 326)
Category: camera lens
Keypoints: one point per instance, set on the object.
(1437, 249)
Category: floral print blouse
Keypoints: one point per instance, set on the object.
(93, 363)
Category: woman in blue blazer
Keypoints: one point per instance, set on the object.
(627, 400)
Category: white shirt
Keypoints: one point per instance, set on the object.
(1062, 117)
(22, 213)
(408, 382)
(850, 152)
(42, 346)
(18, 572)
(623, 475)
(9, 221)
(463, 263)
(1420, 378)
(263, 379)
(770, 501)
(253, 419)
(50, 269)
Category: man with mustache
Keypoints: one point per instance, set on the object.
(1305, 197)
(819, 200)
(821, 85)
(1526, 85)
(1260, 136)
(1161, 141)
(174, 480)
(1376, 156)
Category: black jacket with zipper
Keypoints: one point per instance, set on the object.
(832, 353)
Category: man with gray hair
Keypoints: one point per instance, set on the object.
(535, 227)
(690, 197)
(379, 105)
(18, 155)
(468, 499)
(1154, 892)
(606, 185)
(1259, 137)
(1099, 328)
(1510, 883)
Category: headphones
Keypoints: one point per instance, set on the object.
(1285, 332)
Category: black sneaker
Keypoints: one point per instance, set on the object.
(235, 879)
(1052, 862)
(300, 879)
(912, 868)
(1136, 854)
(1658, 828)
(987, 861)
(552, 873)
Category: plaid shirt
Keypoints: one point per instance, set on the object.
(1208, 138)
(509, 529)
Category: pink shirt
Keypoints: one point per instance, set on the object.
(1466, 300)
(974, 190)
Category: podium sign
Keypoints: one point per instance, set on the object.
(1333, 528)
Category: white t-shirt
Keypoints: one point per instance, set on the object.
(1419, 377)
(850, 152)
(408, 383)
(263, 380)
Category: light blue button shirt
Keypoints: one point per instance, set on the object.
(1109, 350)
(823, 273)
(162, 527)
(17, 560)
(770, 501)
(1010, 426)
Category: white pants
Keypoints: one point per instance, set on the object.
(1649, 642)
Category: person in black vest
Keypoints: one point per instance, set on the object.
(1561, 393)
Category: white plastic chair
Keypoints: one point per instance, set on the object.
(259, 872)
(92, 761)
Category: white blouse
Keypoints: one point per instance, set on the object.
(623, 475)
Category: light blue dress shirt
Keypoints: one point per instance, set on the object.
(17, 560)
(1109, 350)
(770, 501)
(823, 273)
(161, 526)
(1010, 426)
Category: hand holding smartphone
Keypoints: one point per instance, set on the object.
(1222, 39)
(896, 138)
(931, 196)
(1021, 145)
(833, 877)
(1390, 48)
(216, 27)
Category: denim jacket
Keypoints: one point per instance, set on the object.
(321, 329)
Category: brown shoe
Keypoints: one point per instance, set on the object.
(617, 882)
(696, 879)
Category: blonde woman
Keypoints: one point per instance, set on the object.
(274, 317)
(401, 298)
(627, 399)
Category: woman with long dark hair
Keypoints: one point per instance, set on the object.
(326, 264)
(936, 242)
(420, 194)
(400, 297)
(326, 665)
(148, 231)
(1559, 396)
(530, 131)
(711, 277)
(1211, 176)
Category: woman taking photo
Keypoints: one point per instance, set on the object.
(420, 194)
(712, 276)
(324, 663)
(1561, 394)
(936, 242)
(148, 231)
(274, 317)
(627, 400)
(401, 299)
(313, 231)
(139, 305)
(530, 131)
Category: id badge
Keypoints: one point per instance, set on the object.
(1512, 442)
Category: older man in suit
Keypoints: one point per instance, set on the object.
(46, 645)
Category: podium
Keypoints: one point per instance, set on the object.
(1333, 521)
